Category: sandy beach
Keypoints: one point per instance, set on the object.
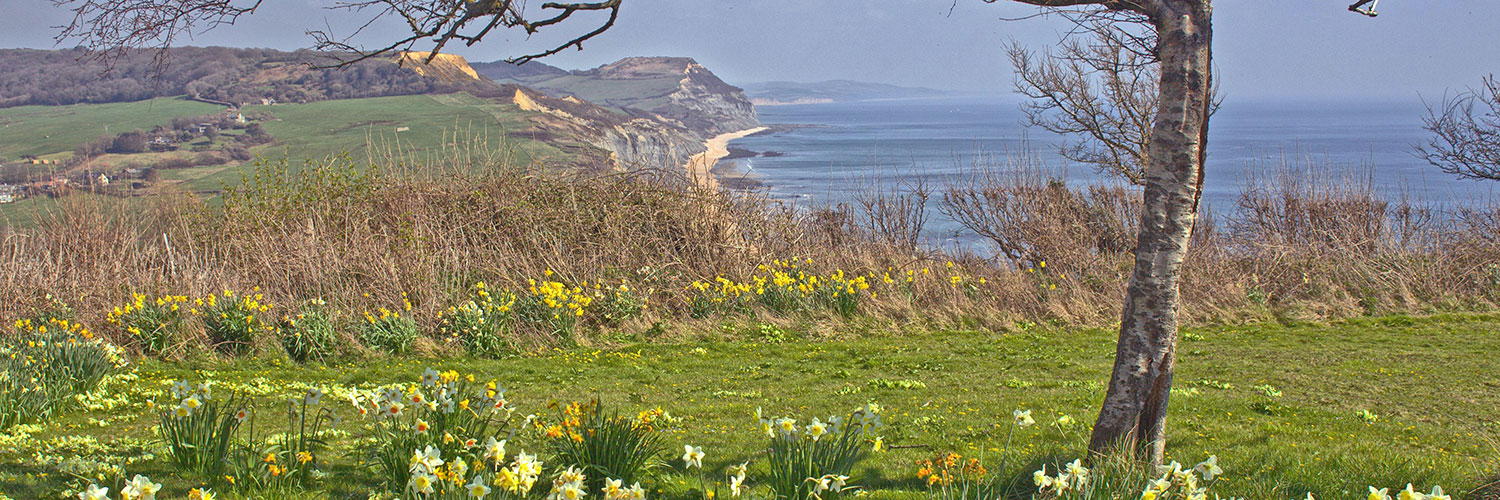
(700, 167)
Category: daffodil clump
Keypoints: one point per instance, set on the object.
(154, 322)
(445, 418)
(482, 323)
(622, 447)
(232, 320)
(199, 429)
(555, 305)
(310, 333)
(284, 462)
(48, 362)
(388, 330)
(815, 458)
(783, 286)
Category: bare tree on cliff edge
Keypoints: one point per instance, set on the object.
(1178, 35)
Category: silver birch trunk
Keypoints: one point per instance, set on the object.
(1133, 417)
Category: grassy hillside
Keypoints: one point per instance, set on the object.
(54, 131)
(1326, 409)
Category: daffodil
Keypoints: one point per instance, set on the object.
(1437, 494)
(692, 456)
(1022, 418)
(477, 488)
(94, 492)
(612, 488)
(816, 429)
(1209, 468)
(1380, 494)
(421, 483)
(1410, 494)
(494, 451)
(1041, 479)
(140, 488)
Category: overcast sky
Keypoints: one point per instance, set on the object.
(1263, 48)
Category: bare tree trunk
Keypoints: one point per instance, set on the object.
(1135, 407)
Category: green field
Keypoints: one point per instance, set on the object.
(433, 123)
(1326, 409)
(53, 130)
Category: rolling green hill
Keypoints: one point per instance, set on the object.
(54, 131)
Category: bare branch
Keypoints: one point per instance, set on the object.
(110, 28)
(1466, 133)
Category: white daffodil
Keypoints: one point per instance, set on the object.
(94, 492)
(1437, 494)
(421, 483)
(494, 451)
(426, 460)
(816, 429)
(1160, 485)
(477, 488)
(312, 397)
(1410, 494)
(430, 377)
(1380, 494)
(1079, 473)
(1209, 468)
(787, 426)
(140, 488)
(613, 488)
(820, 485)
(692, 456)
(837, 482)
(636, 492)
(1022, 418)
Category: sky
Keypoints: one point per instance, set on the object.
(1271, 49)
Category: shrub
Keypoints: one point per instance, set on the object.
(310, 334)
(152, 322)
(480, 325)
(606, 444)
(232, 321)
(199, 430)
(819, 454)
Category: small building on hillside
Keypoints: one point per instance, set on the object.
(10, 193)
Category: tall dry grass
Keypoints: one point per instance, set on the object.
(359, 234)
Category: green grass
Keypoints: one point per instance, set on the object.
(1431, 382)
(50, 130)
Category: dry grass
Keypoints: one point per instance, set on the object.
(359, 237)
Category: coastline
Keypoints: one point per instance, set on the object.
(700, 167)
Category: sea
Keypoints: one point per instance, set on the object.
(827, 153)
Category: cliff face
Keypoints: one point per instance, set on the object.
(664, 107)
(631, 142)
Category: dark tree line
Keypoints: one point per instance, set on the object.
(240, 76)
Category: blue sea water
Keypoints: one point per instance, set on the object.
(849, 147)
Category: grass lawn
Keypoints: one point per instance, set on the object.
(1281, 406)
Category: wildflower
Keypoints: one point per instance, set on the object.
(879, 444)
(787, 426)
(192, 403)
(1149, 494)
(304, 457)
(200, 494)
(820, 485)
(140, 488)
(429, 377)
(421, 426)
(1160, 485)
(692, 456)
(636, 492)
(182, 411)
(816, 429)
(1209, 468)
(1079, 473)
(837, 482)
(240, 416)
(1437, 494)
(1065, 421)
(1022, 418)
(508, 480)
(1380, 494)
(477, 488)
(737, 478)
(1410, 494)
(94, 492)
